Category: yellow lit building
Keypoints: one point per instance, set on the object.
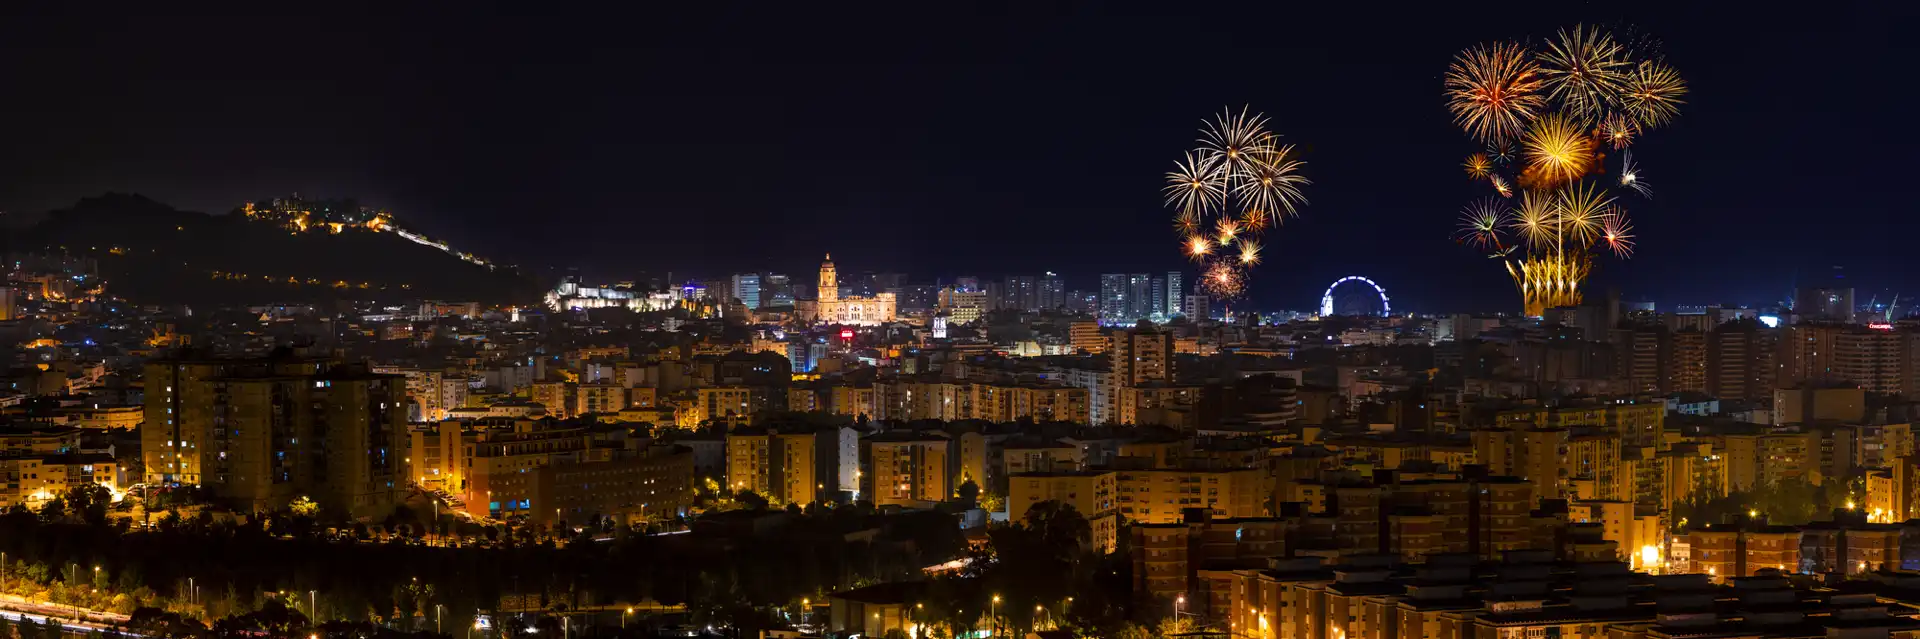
(726, 404)
(1086, 337)
(31, 481)
(1161, 495)
(906, 469)
(258, 433)
(778, 466)
(1089, 492)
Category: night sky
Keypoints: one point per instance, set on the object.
(1007, 138)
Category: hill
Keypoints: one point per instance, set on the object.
(153, 253)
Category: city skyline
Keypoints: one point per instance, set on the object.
(617, 187)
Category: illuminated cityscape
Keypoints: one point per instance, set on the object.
(801, 323)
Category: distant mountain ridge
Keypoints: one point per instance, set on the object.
(150, 252)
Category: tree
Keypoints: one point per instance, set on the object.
(969, 492)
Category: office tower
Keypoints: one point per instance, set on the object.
(256, 433)
(1052, 292)
(1020, 292)
(967, 284)
(746, 288)
(1175, 303)
(775, 290)
(1830, 301)
(1139, 296)
(1158, 307)
(1113, 298)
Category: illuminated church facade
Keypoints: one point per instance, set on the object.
(830, 308)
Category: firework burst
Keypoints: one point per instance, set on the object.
(1225, 193)
(1196, 185)
(1578, 212)
(1249, 252)
(1585, 70)
(1502, 152)
(1558, 150)
(1478, 166)
(1630, 176)
(1534, 221)
(1500, 185)
(1493, 91)
(1652, 93)
(1223, 280)
(1480, 223)
(1271, 183)
(1198, 247)
(1617, 232)
(1618, 130)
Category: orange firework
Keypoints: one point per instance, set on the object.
(1557, 150)
(1478, 166)
(1493, 90)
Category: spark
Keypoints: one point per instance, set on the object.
(1493, 90)
(1227, 228)
(1558, 150)
(1652, 93)
(1585, 70)
(1534, 220)
(1270, 183)
(1501, 152)
(1196, 185)
(1223, 280)
(1478, 166)
(1618, 130)
(1500, 184)
(1480, 222)
(1618, 233)
(1579, 209)
(1233, 140)
(1249, 252)
(1630, 176)
(1198, 247)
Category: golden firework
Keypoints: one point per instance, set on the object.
(1198, 247)
(1558, 150)
(1249, 252)
(1585, 70)
(1270, 182)
(1577, 213)
(1223, 280)
(1618, 130)
(1196, 185)
(1534, 221)
(1652, 93)
(1493, 90)
(1226, 229)
(1232, 141)
(1500, 185)
(1478, 166)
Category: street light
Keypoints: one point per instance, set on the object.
(993, 627)
(623, 617)
(1178, 603)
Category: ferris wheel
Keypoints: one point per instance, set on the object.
(1326, 299)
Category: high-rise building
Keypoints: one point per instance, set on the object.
(1176, 304)
(257, 433)
(906, 469)
(1159, 306)
(1832, 303)
(1878, 360)
(1113, 298)
(775, 290)
(1740, 361)
(1687, 372)
(967, 283)
(1020, 292)
(1139, 297)
(1052, 291)
(1195, 307)
(1141, 355)
(746, 288)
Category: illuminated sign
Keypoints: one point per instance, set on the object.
(1880, 326)
(846, 334)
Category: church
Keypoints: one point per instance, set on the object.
(830, 308)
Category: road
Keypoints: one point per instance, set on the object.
(74, 619)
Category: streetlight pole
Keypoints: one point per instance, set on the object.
(313, 604)
(993, 620)
(436, 619)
